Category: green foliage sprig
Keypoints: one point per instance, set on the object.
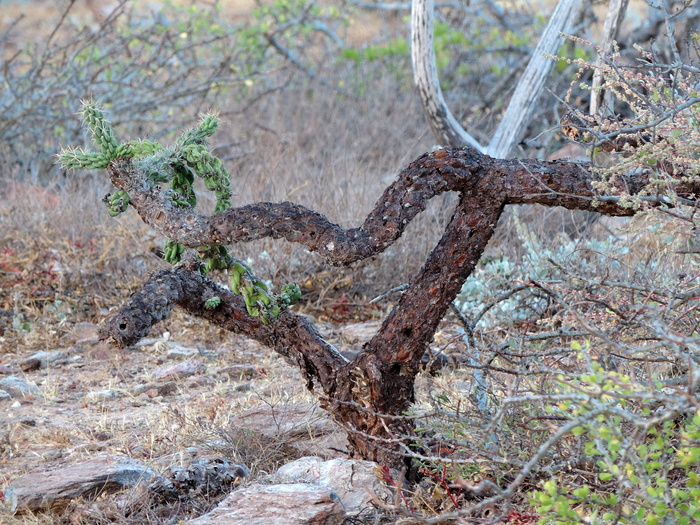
(646, 466)
(212, 303)
(258, 300)
(178, 165)
(102, 135)
(117, 202)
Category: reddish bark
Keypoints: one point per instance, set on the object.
(381, 379)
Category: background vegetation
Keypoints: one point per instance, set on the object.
(572, 395)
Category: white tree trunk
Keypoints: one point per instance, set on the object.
(529, 88)
(613, 20)
(447, 131)
(445, 127)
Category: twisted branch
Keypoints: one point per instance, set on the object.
(381, 378)
(460, 170)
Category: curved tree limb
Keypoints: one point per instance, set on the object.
(186, 287)
(460, 170)
(444, 125)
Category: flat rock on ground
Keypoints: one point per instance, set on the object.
(42, 360)
(304, 427)
(54, 489)
(83, 332)
(179, 370)
(18, 387)
(291, 504)
(356, 482)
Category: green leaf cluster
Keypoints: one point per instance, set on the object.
(189, 157)
(102, 135)
(258, 300)
(645, 475)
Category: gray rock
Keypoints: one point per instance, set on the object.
(178, 370)
(354, 481)
(149, 341)
(18, 387)
(83, 333)
(181, 352)
(155, 389)
(303, 427)
(53, 490)
(293, 504)
(360, 332)
(42, 360)
(238, 372)
(102, 395)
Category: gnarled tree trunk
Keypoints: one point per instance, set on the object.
(367, 394)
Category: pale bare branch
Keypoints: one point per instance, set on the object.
(613, 20)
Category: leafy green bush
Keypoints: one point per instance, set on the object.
(641, 454)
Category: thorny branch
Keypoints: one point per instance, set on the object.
(461, 170)
(381, 378)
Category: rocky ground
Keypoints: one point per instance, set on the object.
(191, 392)
(182, 397)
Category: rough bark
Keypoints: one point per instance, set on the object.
(379, 382)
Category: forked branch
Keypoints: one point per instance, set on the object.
(460, 170)
(380, 380)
